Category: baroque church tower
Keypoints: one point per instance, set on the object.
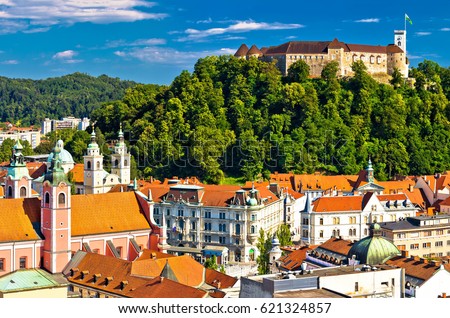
(93, 167)
(18, 181)
(120, 160)
(56, 216)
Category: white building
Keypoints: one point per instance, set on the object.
(49, 125)
(33, 136)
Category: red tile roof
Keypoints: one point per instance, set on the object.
(415, 267)
(338, 204)
(78, 173)
(337, 245)
(17, 218)
(106, 213)
(218, 279)
(293, 260)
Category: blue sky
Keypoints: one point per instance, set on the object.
(152, 42)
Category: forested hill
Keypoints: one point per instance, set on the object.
(30, 101)
(237, 117)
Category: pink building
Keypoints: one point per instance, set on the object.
(45, 232)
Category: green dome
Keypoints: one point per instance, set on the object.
(373, 250)
(64, 155)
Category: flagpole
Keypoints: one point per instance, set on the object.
(404, 18)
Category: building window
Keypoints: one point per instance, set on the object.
(253, 217)
(193, 213)
(193, 225)
(252, 229)
(222, 215)
(401, 247)
(427, 233)
(237, 230)
(237, 216)
(2, 264)
(439, 244)
(321, 234)
(119, 250)
(168, 212)
(88, 165)
(156, 211)
(157, 221)
(208, 214)
(414, 246)
(208, 238)
(207, 226)
(98, 164)
(356, 287)
(180, 212)
(222, 240)
(10, 192)
(23, 262)
(401, 235)
(61, 198)
(116, 163)
(125, 163)
(23, 192)
(321, 221)
(439, 232)
(426, 245)
(366, 219)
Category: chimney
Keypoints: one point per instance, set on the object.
(444, 295)
(153, 255)
(97, 277)
(84, 274)
(411, 188)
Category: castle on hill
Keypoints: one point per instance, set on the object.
(317, 54)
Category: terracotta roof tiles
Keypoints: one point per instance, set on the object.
(19, 218)
(338, 204)
(337, 245)
(78, 173)
(106, 213)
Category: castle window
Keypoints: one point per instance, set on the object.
(61, 199)
(372, 59)
(47, 198)
(23, 192)
(9, 192)
(89, 165)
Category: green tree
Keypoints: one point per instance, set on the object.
(264, 246)
(211, 263)
(284, 235)
(298, 72)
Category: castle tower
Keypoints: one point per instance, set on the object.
(274, 254)
(120, 160)
(56, 216)
(93, 167)
(18, 180)
(400, 39)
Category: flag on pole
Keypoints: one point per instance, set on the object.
(408, 19)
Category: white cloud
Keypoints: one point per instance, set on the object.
(51, 12)
(370, 20)
(66, 57)
(139, 42)
(159, 55)
(445, 29)
(422, 33)
(9, 62)
(209, 20)
(237, 27)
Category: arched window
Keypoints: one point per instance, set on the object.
(252, 229)
(89, 165)
(237, 229)
(372, 59)
(334, 233)
(10, 192)
(47, 198)
(125, 163)
(23, 192)
(378, 59)
(61, 198)
(321, 221)
(98, 164)
(355, 57)
(350, 232)
(116, 163)
(354, 232)
(321, 233)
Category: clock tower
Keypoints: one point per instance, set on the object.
(400, 39)
(93, 168)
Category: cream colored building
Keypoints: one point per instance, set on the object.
(33, 136)
(423, 236)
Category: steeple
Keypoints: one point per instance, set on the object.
(93, 167)
(369, 169)
(18, 180)
(120, 159)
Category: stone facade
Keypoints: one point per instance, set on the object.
(377, 58)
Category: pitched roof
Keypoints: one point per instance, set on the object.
(242, 51)
(186, 270)
(218, 279)
(293, 261)
(78, 173)
(338, 204)
(296, 47)
(20, 219)
(106, 213)
(254, 51)
(415, 267)
(122, 282)
(28, 279)
(337, 245)
(36, 169)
